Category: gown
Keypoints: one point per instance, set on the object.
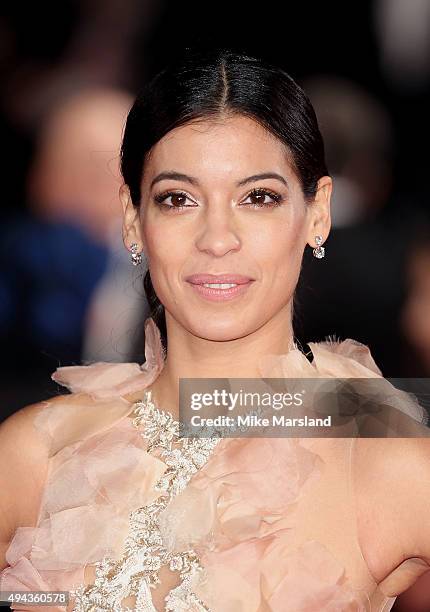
(134, 518)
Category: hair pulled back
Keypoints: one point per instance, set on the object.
(213, 84)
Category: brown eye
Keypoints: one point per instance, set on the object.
(178, 199)
(258, 199)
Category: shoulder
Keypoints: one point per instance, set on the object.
(403, 460)
(20, 439)
(24, 456)
(19, 434)
(392, 482)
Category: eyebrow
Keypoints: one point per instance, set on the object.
(179, 176)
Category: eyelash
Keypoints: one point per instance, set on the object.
(277, 199)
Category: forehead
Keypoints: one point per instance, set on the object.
(218, 148)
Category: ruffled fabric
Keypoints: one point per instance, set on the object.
(239, 511)
(243, 492)
(396, 413)
(92, 485)
(104, 379)
(98, 472)
(265, 575)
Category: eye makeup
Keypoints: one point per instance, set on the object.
(257, 192)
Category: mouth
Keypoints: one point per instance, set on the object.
(219, 287)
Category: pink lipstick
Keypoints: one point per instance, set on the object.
(219, 287)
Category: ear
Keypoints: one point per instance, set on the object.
(131, 228)
(319, 211)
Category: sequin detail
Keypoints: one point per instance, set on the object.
(145, 553)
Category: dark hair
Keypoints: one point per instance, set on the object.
(206, 84)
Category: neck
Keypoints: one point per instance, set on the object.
(189, 356)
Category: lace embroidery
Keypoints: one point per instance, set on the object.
(136, 572)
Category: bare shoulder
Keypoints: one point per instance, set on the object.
(392, 483)
(24, 455)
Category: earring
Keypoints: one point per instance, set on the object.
(319, 251)
(136, 257)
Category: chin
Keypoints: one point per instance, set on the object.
(221, 329)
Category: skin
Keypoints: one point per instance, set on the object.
(221, 233)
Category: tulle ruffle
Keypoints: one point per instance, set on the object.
(400, 413)
(105, 379)
(240, 513)
(93, 483)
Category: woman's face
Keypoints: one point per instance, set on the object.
(229, 222)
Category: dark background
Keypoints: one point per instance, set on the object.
(359, 290)
(49, 51)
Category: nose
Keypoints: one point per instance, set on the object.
(218, 234)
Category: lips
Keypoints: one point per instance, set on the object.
(200, 279)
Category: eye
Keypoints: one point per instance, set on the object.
(177, 201)
(259, 195)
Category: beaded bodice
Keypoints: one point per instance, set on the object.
(136, 573)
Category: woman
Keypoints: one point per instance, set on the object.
(224, 183)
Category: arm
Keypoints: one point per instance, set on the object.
(24, 462)
(416, 598)
(416, 498)
(393, 498)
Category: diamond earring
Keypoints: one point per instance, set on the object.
(319, 251)
(136, 257)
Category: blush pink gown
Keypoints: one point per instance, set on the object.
(243, 525)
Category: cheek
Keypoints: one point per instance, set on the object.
(162, 243)
(278, 247)
(166, 255)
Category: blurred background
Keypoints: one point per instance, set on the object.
(69, 72)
